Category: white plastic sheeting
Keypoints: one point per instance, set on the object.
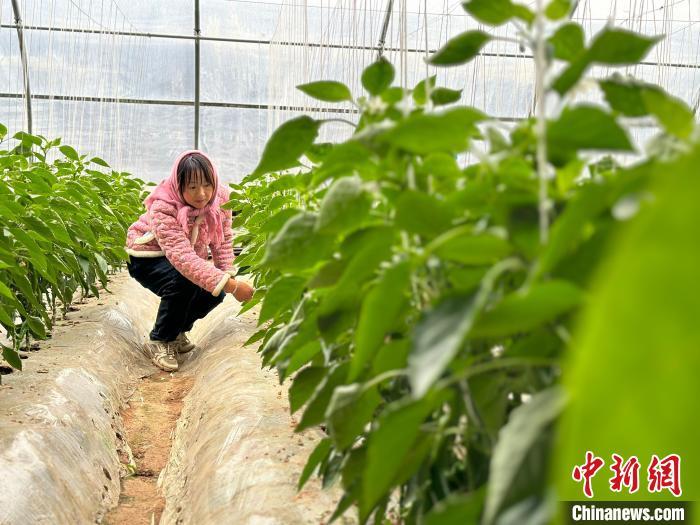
(327, 37)
(235, 456)
(60, 432)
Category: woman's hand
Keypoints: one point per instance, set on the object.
(240, 290)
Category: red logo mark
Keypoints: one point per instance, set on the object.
(665, 474)
(586, 471)
(626, 475)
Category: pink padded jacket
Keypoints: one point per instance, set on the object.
(161, 234)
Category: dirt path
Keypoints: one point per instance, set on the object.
(149, 421)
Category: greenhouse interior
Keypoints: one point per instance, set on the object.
(349, 261)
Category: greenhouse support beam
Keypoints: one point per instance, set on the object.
(385, 27)
(679, 65)
(25, 66)
(242, 105)
(197, 35)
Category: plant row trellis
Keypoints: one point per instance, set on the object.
(423, 308)
(63, 228)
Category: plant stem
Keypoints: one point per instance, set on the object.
(541, 122)
(497, 364)
(344, 121)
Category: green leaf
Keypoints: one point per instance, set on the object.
(388, 447)
(568, 41)
(466, 279)
(671, 112)
(99, 161)
(569, 228)
(523, 433)
(520, 312)
(344, 159)
(393, 95)
(437, 338)
(448, 131)
(378, 314)
(318, 456)
(7, 316)
(441, 96)
(378, 76)
(12, 357)
(4, 290)
(635, 349)
(584, 127)
(457, 509)
(69, 152)
(328, 274)
(497, 12)
(319, 151)
(619, 47)
(287, 144)
(257, 297)
(36, 254)
(3, 132)
(557, 9)
(344, 206)
(420, 92)
(36, 326)
(276, 221)
(297, 246)
(423, 214)
(441, 332)
(27, 139)
(316, 409)
(351, 407)
(624, 95)
(281, 295)
(257, 336)
(461, 245)
(460, 49)
(391, 356)
(373, 246)
(611, 47)
(304, 385)
(327, 91)
(299, 358)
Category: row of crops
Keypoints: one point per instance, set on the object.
(63, 228)
(427, 312)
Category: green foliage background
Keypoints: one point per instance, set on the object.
(63, 229)
(426, 312)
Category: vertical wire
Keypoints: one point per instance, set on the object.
(101, 105)
(86, 47)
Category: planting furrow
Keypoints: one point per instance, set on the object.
(149, 420)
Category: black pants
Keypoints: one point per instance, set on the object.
(182, 302)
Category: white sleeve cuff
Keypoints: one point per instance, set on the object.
(220, 286)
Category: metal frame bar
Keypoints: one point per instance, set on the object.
(160, 102)
(25, 65)
(385, 27)
(197, 35)
(310, 44)
(238, 105)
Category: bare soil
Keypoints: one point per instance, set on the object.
(149, 421)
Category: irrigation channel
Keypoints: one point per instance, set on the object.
(92, 432)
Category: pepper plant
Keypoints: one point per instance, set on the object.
(64, 224)
(421, 307)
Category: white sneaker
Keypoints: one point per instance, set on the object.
(183, 344)
(163, 354)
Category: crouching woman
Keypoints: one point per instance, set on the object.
(168, 253)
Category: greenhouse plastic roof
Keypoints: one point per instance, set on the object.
(87, 62)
